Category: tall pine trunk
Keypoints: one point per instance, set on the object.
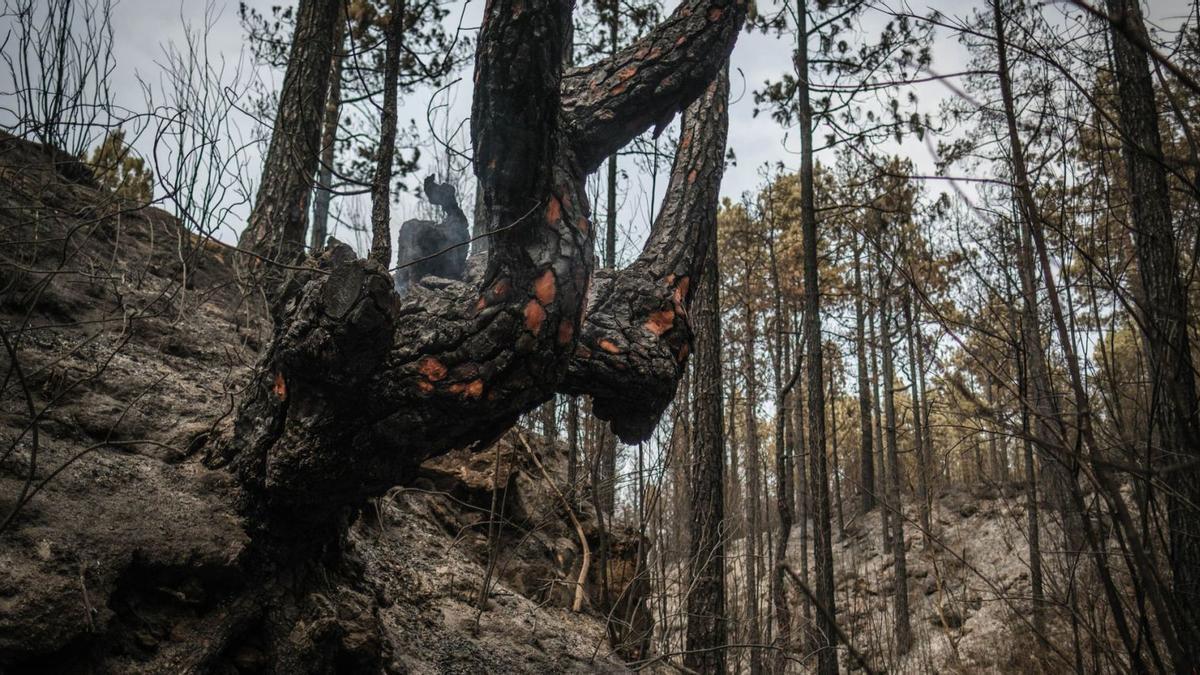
(333, 108)
(827, 661)
(753, 488)
(706, 629)
(381, 185)
(918, 426)
(1165, 308)
(277, 224)
(902, 627)
(866, 468)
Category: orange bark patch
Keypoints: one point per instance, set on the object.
(553, 210)
(619, 89)
(432, 369)
(534, 316)
(480, 305)
(280, 387)
(681, 290)
(610, 347)
(680, 40)
(475, 388)
(544, 288)
(500, 289)
(582, 224)
(660, 321)
(714, 14)
(566, 331)
(683, 352)
(626, 73)
(472, 389)
(692, 176)
(686, 140)
(424, 386)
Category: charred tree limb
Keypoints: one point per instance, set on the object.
(607, 104)
(359, 385)
(637, 328)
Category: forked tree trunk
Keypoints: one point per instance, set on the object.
(359, 386)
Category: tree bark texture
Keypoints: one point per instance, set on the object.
(381, 184)
(278, 220)
(706, 621)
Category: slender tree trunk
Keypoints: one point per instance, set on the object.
(1031, 217)
(866, 476)
(999, 457)
(803, 502)
(837, 469)
(1031, 506)
(918, 427)
(902, 627)
(276, 227)
(381, 186)
(783, 487)
(827, 661)
(333, 108)
(753, 489)
(1165, 308)
(608, 448)
(706, 630)
(882, 491)
(572, 443)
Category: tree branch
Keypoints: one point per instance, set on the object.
(636, 337)
(607, 104)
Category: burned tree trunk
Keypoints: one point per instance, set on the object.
(706, 623)
(277, 222)
(827, 661)
(381, 185)
(867, 455)
(1165, 304)
(333, 109)
(359, 385)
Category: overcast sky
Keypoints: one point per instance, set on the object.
(143, 29)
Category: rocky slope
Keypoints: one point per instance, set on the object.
(120, 552)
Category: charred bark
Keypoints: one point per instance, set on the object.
(278, 221)
(706, 623)
(359, 385)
